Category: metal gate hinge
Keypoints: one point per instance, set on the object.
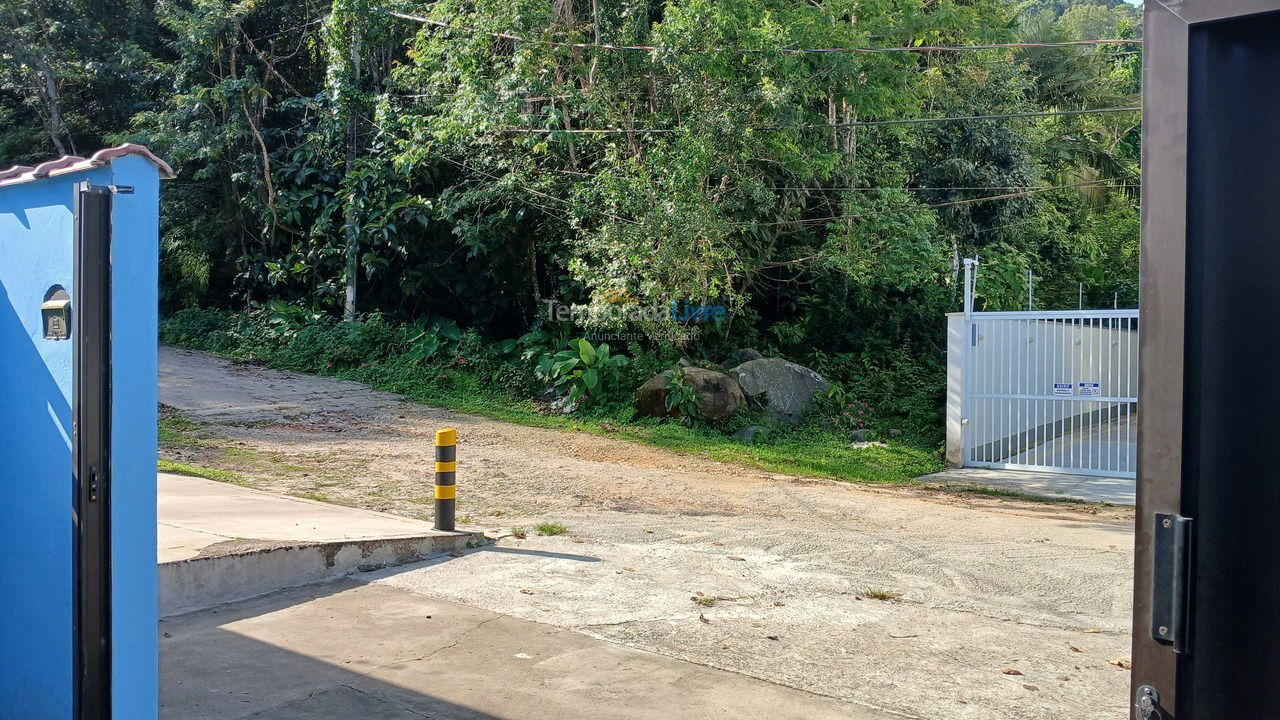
(1147, 704)
(1171, 581)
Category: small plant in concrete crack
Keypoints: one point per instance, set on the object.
(703, 600)
(550, 528)
(882, 594)
(519, 533)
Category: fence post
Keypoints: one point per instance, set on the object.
(967, 343)
(446, 484)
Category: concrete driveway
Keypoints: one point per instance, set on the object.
(919, 601)
(354, 651)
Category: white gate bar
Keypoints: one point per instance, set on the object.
(1056, 314)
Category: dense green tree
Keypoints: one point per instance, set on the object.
(474, 158)
(73, 74)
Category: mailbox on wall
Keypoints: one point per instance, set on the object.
(78, 296)
(1207, 574)
(56, 314)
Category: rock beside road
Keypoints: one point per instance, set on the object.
(782, 387)
(719, 395)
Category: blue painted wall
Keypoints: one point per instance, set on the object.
(36, 603)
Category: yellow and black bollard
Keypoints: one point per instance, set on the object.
(446, 477)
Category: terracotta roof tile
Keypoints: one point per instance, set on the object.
(72, 163)
(15, 171)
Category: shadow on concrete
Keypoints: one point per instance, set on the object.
(537, 553)
(210, 672)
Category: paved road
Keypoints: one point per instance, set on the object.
(784, 569)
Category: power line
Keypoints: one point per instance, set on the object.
(510, 178)
(860, 123)
(935, 188)
(920, 69)
(871, 188)
(915, 208)
(808, 221)
(307, 24)
(1000, 116)
(785, 50)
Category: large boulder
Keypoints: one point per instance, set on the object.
(719, 395)
(780, 386)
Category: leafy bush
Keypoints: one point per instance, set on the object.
(433, 335)
(855, 416)
(681, 397)
(905, 392)
(583, 372)
(431, 358)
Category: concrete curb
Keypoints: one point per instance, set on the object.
(250, 569)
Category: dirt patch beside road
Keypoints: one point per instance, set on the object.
(786, 566)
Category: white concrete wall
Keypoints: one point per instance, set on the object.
(1026, 357)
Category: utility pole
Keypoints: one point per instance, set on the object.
(970, 273)
(344, 30)
(349, 219)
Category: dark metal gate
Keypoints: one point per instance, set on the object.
(91, 451)
(1207, 573)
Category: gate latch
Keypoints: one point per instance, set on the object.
(1171, 581)
(1147, 704)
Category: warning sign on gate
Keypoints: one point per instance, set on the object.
(1062, 388)
(1089, 389)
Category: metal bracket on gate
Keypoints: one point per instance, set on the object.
(1171, 581)
(1147, 704)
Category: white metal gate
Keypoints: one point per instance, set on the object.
(1052, 390)
(1045, 390)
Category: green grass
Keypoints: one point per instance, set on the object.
(490, 388)
(881, 594)
(550, 528)
(177, 468)
(807, 450)
(312, 495)
(177, 431)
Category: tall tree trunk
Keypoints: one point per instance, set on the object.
(353, 237)
(49, 91)
(353, 151)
